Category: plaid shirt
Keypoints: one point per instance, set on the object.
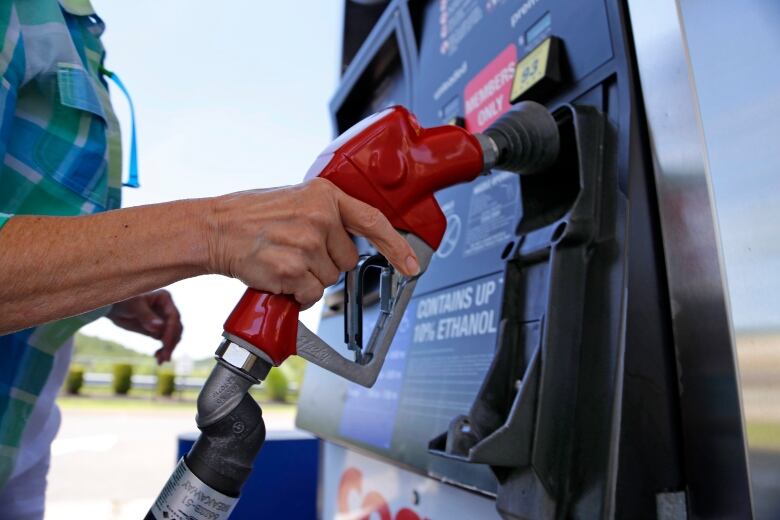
(60, 144)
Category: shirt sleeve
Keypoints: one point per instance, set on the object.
(4, 218)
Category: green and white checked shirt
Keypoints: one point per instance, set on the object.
(60, 149)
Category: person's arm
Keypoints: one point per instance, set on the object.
(290, 240)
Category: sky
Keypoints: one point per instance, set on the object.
(740, 109)
(226, 99)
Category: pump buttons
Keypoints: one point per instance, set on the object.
(540, 69)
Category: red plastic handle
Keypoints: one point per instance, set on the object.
(266, 321)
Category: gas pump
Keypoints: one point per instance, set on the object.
(540, 368)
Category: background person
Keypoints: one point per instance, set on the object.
(66, 251)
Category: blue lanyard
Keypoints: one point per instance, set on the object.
(132, 177)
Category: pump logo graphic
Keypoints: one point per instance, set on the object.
(372, 506)
(451, 237)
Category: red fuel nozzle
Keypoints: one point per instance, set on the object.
(390, 162)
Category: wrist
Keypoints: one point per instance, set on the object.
(196, 216)
(211, 232)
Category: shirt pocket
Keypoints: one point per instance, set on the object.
(76, 89)
(73, 146)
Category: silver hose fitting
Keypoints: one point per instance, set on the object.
(490, 152)
(237, 369)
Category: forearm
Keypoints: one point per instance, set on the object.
(53, 267)
(290, 240)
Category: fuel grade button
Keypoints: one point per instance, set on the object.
(540, 69)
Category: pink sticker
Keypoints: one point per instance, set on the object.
(487, 94)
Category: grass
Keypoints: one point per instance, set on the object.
(68, 402)
(136, 393)
(108, 403)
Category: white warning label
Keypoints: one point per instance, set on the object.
(493, 213)
(458, 313)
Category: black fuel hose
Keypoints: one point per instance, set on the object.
(207, 481)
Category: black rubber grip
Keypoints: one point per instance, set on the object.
(527, 139)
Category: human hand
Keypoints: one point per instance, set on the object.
(295, 240)
(152, 314)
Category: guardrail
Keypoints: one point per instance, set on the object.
(144, 381)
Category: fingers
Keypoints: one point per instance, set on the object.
(163, 304)
(137, 315)
(308, 290)
(295, 275)
(342, 249)
(320, 262)
(361, 219)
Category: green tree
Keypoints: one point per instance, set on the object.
(277, 385)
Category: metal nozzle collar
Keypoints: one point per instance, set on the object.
(244, 360)
(490, 151)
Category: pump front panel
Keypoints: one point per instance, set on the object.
(505, 376)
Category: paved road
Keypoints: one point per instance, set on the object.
(111, 464)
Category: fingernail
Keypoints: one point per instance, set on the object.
(153, 325)
(412, 265)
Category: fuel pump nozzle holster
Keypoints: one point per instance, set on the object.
(392, 163)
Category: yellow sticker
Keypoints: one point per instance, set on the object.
(531, 69)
